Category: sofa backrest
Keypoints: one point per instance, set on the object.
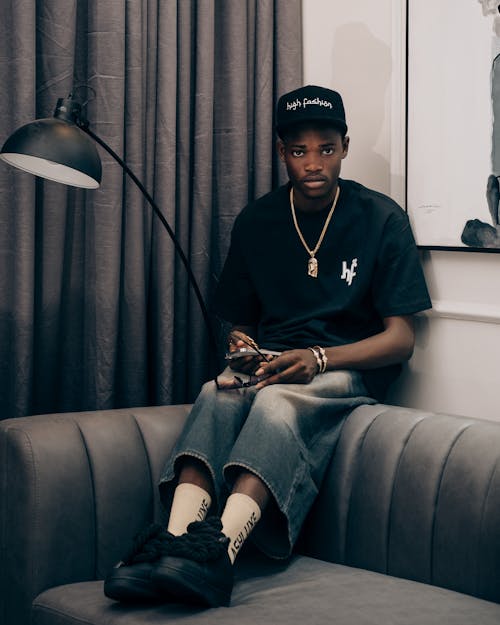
(414, 495)
(74, 489)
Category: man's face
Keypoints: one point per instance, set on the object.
(313, 156)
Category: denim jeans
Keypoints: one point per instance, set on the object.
(283, 433)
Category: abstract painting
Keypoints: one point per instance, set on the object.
(453, 123)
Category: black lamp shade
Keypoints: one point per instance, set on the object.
(56, 150)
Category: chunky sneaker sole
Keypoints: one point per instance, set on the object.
(131, 583)
(200, 583)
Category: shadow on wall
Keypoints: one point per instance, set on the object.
(362, 69)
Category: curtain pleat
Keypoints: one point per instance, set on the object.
(96, 308)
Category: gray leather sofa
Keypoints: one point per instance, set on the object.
(406, 528)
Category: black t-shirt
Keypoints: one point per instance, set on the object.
(368, 269)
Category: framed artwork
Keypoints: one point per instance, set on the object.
(453, 124)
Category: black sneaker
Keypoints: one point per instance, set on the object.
(197, 569)
(130, 579)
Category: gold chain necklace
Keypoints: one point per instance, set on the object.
(312, 263)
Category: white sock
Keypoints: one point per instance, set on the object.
(240, 516)
(190, 503)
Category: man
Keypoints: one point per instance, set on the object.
(324, 275)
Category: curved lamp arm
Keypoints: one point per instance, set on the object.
(55, 148)
(161, 217)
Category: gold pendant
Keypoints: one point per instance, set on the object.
(312, 267)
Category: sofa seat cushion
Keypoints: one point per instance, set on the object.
(303, 590)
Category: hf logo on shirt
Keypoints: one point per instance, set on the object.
(348, 274)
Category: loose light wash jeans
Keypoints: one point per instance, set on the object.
(283, 433)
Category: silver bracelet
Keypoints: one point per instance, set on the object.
(317, 355)
(321, 358)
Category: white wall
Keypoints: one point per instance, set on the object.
(357, 48)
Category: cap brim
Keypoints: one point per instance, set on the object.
(335, 123)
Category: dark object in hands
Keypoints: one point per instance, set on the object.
(249, 351)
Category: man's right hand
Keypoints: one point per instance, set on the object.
(243, 364)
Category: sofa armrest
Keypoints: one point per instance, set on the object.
(415, 495)
(74, 490)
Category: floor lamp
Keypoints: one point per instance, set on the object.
(62, 148)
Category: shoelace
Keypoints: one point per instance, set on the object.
(204, 541)
(149, 544)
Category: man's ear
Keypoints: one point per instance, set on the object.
(345, 146)
(280, 146)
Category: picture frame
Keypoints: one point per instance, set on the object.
(453, 125)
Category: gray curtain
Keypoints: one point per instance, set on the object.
(95, 308)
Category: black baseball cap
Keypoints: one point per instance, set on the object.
(310, 103)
